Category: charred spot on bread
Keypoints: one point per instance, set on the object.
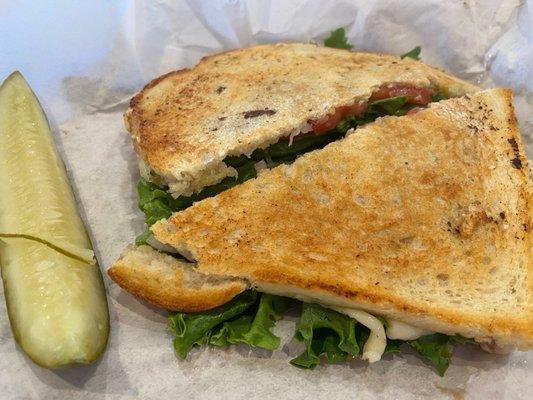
(258, 113)
(517, 163)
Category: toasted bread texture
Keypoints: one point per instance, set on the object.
(166, 282)
(183, 124)
(425, 218)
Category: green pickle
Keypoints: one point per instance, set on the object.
(55, 294)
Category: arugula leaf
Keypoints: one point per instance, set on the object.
(346, 124)
(281, 151)
(438, 97)
(414, 54)
(196, 329)
(270, 310)
(390, 105)
(324, 332)
(338, 40)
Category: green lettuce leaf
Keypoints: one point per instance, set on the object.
(157, 203)
(393, 346)
(231, 332)
(414, 54)
(142, 239)
(325, 343)
(325, 333)
(270, 310)
(458, 339)
(247, 319)
(438, 349)
(196, 329)
(338, 40)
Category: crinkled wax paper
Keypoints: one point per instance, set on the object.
(85, 59)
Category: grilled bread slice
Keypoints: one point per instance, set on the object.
(425, 218)
(183, 124)
(167, 282)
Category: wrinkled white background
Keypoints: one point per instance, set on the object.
(85, 59)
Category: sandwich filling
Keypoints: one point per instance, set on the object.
(328, 333)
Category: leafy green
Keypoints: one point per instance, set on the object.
(438, 349)
(438, 97)
(325, 343)
(157, 203)
(325, 333)
(270, 310)
(393, 346)
(390, 105)
(196, 329)
(338, 40)
(414, 53)
(458, 339)
(247, 319)
(142, 239)
(284, 150)
(231, 332)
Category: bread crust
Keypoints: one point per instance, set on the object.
(166, 282)
(184, 123)
(426, 218)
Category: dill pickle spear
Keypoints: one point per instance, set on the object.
(56, 304)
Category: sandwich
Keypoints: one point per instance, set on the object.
(391, 200)
(195, 129)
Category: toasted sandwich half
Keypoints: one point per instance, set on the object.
(191, 128)
(420, 223)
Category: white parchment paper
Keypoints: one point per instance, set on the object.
(85, 59)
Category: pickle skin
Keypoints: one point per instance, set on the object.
(56, 305)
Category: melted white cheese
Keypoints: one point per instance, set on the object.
(377, 341)
(403, 331)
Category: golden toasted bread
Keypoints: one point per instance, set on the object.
(185, 123)
(425, 218)
(167, 282)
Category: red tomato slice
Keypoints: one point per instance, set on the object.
(415, 95)
(330, 121)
